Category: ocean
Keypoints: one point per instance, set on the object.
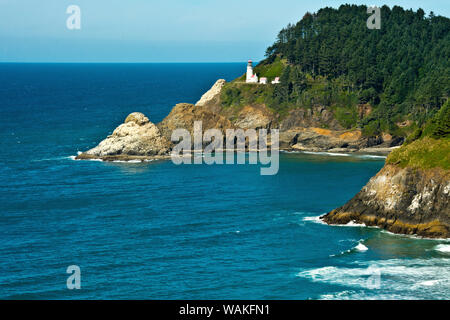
(157, 230)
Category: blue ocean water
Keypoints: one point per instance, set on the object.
(160, 231)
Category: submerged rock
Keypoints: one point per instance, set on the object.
(136, 137)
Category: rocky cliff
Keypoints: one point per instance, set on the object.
(211, 96)
(183, 115)
(410, 195)
(303, 129)
(401, 200)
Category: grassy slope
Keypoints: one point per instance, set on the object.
(425, 153)
(272, 70)
(432, 147)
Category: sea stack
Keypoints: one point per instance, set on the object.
(136, 138)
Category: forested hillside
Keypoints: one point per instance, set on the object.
(401, 71)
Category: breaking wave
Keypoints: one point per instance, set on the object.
(333, 154)
(315, 219)
(445, 248)
(386, 279)
(360, 247)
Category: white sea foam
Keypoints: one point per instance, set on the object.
(428, 283)
(100, 160)
(397, 278)
(315, 219)
(354, 224)
(333, 154)
(361, 295)
(55, 158)
(445, 248)
(338, 154)
(361, 247)
(371, 156)
(289, 151)
(351, 224)
(128, 161)
(411, 236)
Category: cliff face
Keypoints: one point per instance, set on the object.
(315, 117)
(211, 96)
(410, 195)
(300, 129)
(183, 116)
(401, 200)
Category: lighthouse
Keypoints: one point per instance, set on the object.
(251, 78)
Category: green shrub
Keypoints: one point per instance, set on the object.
(371, 129)
(347, 117)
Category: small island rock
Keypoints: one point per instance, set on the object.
(136, 137)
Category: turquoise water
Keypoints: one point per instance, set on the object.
(159, 231)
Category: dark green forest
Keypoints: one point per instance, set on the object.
(331, 58)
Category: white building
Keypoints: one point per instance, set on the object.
(251, 78)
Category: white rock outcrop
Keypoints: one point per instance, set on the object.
(137, 136)
(212, 93)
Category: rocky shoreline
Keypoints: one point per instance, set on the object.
(144, 158)
(140, 139)
(401, 200)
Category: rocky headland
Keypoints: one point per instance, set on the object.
(401, 200)
(410, 195)
(300, 130)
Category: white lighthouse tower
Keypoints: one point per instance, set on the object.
(251, 78)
